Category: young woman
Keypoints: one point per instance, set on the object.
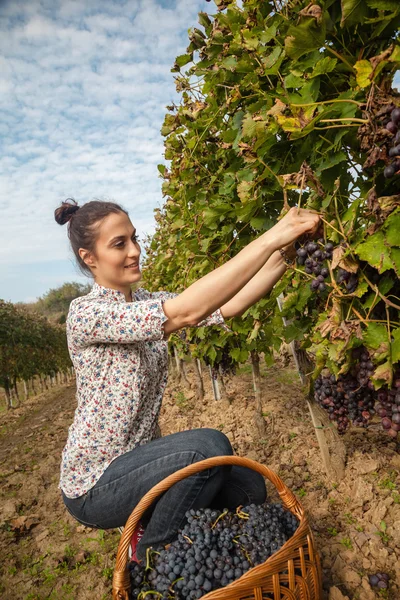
(117, 340)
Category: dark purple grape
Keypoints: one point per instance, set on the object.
(396, 418)
(302, 252)
(309, 270)
(318, 254)
(385, 576)
(386, 423)
(315, 284)
(397, 138)
(329, 246)
(396, 165)
(382, 584)
(325, 272)
(317, 270)
(389, 171)
(373, 580)
(322, 287)
(311, 247)
(391, 127)
(343, 275)
(320, 278)
(300, 260)
(395, 116)
(352, 283)
(395, 151)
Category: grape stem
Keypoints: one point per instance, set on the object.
(336, 126)
(221, 516)
(332, 227)
(301, 191)
(355, 311)
(333, 101)
(340, 57)
(376, 290)
(353, 119)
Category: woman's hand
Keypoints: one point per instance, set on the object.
(295, 223)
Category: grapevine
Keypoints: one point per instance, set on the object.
(294, 106)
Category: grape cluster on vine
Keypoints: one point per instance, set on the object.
(313, 256)
(349, 280)
(393, 127)
(225, 365)
(212, 550)
(388, 407)
(352, 398)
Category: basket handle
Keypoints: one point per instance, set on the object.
(121, 580)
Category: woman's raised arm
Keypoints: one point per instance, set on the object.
(217, 287)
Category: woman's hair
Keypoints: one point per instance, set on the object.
(84, 224)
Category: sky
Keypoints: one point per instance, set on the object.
(84, 87)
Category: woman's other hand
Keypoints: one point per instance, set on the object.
(294, 224)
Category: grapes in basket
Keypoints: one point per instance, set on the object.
(212, 550)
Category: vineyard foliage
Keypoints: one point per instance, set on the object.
(29, 346)
(283, 104)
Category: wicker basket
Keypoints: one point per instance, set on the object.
(291, 573)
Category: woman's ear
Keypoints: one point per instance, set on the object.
(87, 257)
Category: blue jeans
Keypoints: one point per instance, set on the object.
(127, 479)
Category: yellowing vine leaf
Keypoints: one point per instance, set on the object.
(364, 71)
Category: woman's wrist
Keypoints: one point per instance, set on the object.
(288, 254)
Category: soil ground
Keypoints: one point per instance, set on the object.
(45, 553)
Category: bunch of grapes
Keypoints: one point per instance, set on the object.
(225, 365)
(313, 255)
(388, 407)
(212, 550)
(349, 280)
(380, 581)
(350, 398)
(393, 127)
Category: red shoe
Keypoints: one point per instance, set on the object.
(135, 539)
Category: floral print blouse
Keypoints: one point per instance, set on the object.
(121, 365)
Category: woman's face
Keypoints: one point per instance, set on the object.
(115, 263)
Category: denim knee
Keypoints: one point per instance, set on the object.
(215, 443)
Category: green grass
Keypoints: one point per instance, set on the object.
(347, 543)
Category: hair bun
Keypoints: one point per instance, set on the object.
(63, 213)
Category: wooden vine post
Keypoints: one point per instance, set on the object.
(215, 386)
(332, 447)
(199, 379)
(258, 413)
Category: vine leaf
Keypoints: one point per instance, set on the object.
(383, 374)
(364, 71)
(392, 228)
(375, 335)
(375, 251)
(304, 38)
(395, 346)
(353, 12)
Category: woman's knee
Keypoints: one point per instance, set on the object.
(214, 443)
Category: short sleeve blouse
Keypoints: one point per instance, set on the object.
(121, 365)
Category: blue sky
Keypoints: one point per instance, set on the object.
(83, 91)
